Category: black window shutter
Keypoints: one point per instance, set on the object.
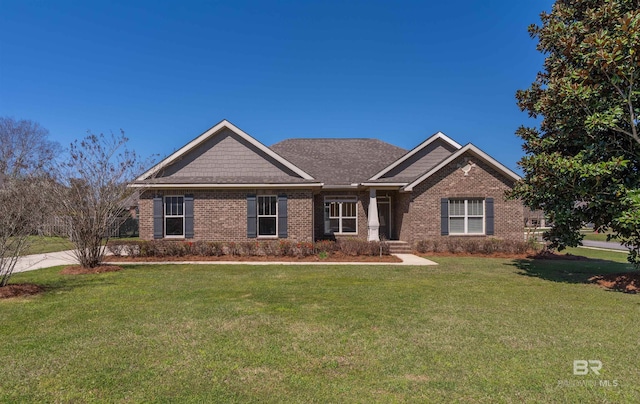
(252, 214)
(282, 216)
(444, 216)
(157, 217)
(188, 216)
(488, 208)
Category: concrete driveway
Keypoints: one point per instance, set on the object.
(610, 245)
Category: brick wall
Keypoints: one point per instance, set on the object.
(418, 213)
(221, 215)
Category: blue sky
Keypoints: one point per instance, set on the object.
(166, 71)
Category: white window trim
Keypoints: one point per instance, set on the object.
(466, 217)
(339, 199)
(258, 216)
(165, 216)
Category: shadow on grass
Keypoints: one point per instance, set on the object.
(569, 271)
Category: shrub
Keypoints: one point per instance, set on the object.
(175, 248)
(150, 248)
(285, 248)
(270, 248)
(207, 249)
(326, 246)
(457, 245)
(352, 246)
(302, 249)
(115, 248)
(132, 249)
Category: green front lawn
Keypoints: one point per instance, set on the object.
(470, 329)
(591, 235)
(45, 244)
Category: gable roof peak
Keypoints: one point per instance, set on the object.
(469, 147)
(436, 136)
(177, 155)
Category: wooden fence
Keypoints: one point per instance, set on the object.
(60, 226)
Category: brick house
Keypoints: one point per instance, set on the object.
(227, 186)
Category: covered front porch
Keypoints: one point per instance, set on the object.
(371, 213)
(385, 213)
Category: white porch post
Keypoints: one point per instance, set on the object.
(374, 222)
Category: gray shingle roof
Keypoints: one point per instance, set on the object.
(339, 161)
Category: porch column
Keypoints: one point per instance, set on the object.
(374, 222)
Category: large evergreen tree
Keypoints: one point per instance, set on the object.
(582, 162)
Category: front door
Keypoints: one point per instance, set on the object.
(384, 215)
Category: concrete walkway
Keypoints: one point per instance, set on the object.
(37, 261)
(46, 260)
(407, 259)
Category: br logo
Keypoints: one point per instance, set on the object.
(582, 367)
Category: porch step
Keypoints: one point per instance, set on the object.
(400, 247)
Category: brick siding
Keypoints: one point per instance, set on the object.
(419, 212)
(221, 215)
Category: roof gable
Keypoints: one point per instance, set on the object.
(467, 148)
(420, 158)
(225, 151)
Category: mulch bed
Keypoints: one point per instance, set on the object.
(312, 258)
(78, 270)
(622, 282)
(20, 289)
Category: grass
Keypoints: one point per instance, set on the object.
(592, 236)
(470, 329)
(609, 255)
(45, 244)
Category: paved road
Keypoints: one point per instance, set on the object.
(37, 261)
(611, 245)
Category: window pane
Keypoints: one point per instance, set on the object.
(174, 226)
(475, 207)
(348, 209)
(267, 226)
(334, 225)
(179, 206)
(334, 209)
(167, 206)
(348, 225)
(456, 225)
(456, 208)
(475, 225)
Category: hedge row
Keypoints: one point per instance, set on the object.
(271, 248)
(475, 246)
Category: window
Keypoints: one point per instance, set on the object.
(267, 215)
(340, 215)
(466, 216)
(174, 216)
